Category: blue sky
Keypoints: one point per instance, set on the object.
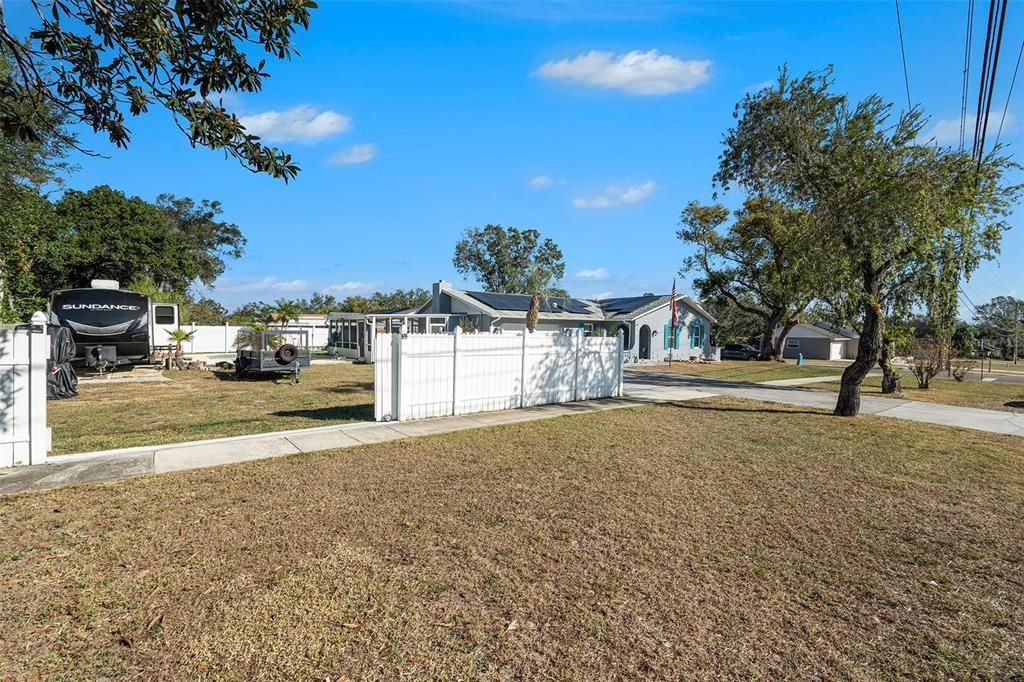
(594, 123)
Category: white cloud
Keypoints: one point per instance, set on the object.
(359, 153)
(541, 182)
(616, 195)
(265, 284)
(638, 73)
(593, 202)
(595, 273)
(345, 287)
(303, 123)
(602, 294)
(946, 131)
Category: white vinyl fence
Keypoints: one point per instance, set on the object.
(434, 375)
(223, 338)
(24, 363)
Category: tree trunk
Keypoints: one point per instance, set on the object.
(771, 323)
(890, 379)
(868, 350)
(779, 348)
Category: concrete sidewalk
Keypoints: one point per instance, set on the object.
(155, 459)
(653, 385)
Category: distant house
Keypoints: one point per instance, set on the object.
(645, 321)
(821, 341)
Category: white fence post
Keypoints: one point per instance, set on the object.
(24, 365)
(621, 360)
(455, 370)
(576, 366)
(522, 372)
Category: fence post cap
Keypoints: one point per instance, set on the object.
(457, 331)
(39, 317)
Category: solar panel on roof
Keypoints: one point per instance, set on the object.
(521, 303)
(623, 306)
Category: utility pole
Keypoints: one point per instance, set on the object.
(1016, 327)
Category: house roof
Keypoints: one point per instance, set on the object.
(521, 303)
(822, 330)
(603, 310)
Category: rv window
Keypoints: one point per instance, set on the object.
(163, 314)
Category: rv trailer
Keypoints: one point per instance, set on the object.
(111, 326)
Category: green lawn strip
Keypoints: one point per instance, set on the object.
(986, 395)
(714, 538)
(739, 370)
(197, 405)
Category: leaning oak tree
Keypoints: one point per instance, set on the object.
(95, 62)
(766, 263)
(886, 206)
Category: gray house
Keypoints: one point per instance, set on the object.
(821, 341)
(645, 321)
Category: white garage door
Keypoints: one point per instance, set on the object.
(836, 351)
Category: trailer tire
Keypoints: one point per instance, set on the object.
(286, 354)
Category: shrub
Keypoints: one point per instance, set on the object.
(961, 366)
(925, 361)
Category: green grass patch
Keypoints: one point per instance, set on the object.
(740, 370)
(987, 395)
(196, 405)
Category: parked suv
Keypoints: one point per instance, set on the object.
(739, 351)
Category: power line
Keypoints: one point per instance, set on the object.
(1009, 94)
(984, 75)
(903, 51)
(967, 71)
(992, 79)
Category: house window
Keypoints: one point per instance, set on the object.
(696, 335)
(792, 343)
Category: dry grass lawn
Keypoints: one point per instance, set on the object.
(709, 539)
(196, 405)
(987, 395)
(742, 370)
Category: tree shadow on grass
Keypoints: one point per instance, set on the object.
(1015, 404)
(350, 387)
(340, 413)
(706, 407)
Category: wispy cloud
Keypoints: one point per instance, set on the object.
(346, 287)
(636, 73)
(946, 131)
(264, 284)
(758, 87)
(541, 182)
(601, 294)
(616, 195)
(359, 153)
(592, 274)
(303, 123)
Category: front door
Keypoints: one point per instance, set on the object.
(645, 342)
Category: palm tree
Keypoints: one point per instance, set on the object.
(179, 336)
(284, 311)
(539, 285)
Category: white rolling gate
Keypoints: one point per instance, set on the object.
(24, 363)
(417, 376)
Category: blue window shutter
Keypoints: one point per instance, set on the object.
(675, 337)
(668, 328)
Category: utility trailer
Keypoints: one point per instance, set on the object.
(277, 351)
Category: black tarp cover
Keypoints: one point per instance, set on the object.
(61, 382)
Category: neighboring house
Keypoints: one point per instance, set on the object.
(821, 341)
(645, 321)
